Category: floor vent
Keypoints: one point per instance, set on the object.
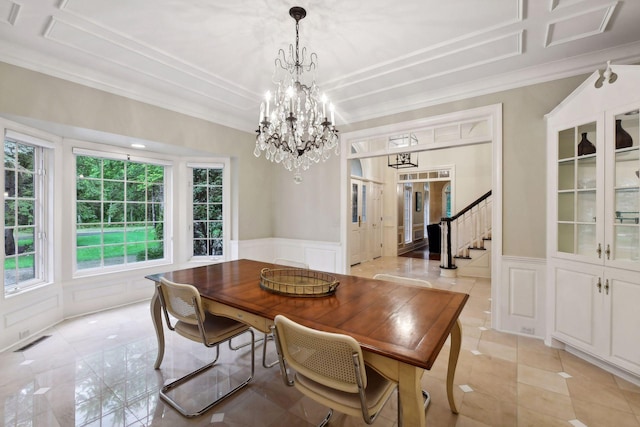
(32, 343)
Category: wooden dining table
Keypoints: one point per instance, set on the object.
(401, 328)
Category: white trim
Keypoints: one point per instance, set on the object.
(77, 151)
(29, 139)
(207, 165)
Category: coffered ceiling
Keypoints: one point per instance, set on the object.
(214, 59)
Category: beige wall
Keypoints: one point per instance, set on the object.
(37, 96)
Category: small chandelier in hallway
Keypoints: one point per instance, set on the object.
(293, 127)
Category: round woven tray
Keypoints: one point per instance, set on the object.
(298, 282)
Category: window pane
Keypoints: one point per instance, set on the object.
(10, 183)
(137, 234)
(155, 174)
(26, 268)
(26, 237)
(88, 167)
(200, 194)
(156, 231)
(114, 169)
(87, 235)
(136, 192)
(113, 190)
(88, 189)
(155, 212)
(137, 252)
(9, 154)
(215, 195)
(89, 257)
(25, 212)
(25, 184)
(199, 229)
(9, 213)
(215, 229)
(136, 212)
(113, 255)
(89, 213)
(155, 193)
(155, 251)
(136, 172)
(199, 176)
(215, 177)
(199, 212)
(26, 157)
(215, 211)
(215, 247)
(200, 247)
(113, 212)
(9, 241)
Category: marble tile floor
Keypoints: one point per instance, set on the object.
(97, 370)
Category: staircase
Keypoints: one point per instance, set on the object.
(466, 241)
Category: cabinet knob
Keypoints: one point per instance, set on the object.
(599, 250)
(608, 252)
(599, 285)
(606, 286)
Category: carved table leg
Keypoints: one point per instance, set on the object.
(156, 318)
(456, 341)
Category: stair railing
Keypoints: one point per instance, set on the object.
(465, 230)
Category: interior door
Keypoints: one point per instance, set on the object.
(359, 246)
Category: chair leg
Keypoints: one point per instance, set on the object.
(326, 418)
(175, 405)
(427, 398)
(238, 347)
(264, 353)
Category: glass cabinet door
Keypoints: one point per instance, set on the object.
(623, 244)
(576, 219)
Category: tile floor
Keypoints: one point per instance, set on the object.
(98, 370)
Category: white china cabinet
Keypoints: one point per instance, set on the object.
(593, 230)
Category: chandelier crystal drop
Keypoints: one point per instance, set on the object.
(294, 128)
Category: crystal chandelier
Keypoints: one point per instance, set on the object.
(293, 127)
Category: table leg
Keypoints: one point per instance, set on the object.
(156, 318)
(454, 352)
(410, 391)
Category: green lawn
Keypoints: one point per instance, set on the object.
(90, 245)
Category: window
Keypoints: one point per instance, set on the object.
(120, 206)
(25, 214)
(210, 209)
(408, 213)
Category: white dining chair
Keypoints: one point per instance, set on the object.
(183, 302)
(329, 368)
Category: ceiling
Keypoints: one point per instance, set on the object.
(215, 59)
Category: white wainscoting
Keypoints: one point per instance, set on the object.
(323, 256)
(100, 293)
(522, 294)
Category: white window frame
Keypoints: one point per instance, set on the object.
(225, 164)
(167, 237)
(43, 187)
